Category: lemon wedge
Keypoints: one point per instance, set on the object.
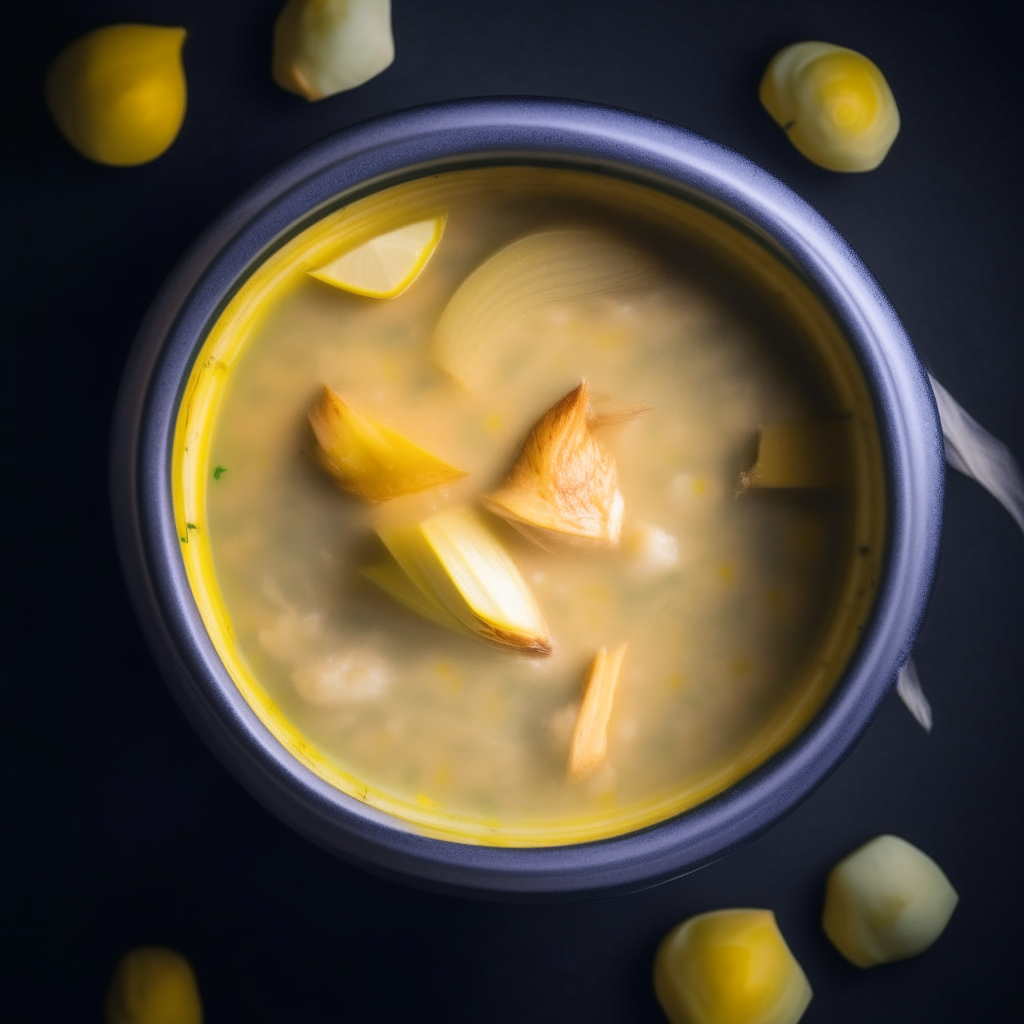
(118, 94)
(386, 265)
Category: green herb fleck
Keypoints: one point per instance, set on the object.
(191, 526)
(184, 540)
(219, 471)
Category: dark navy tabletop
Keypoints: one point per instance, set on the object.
(123, 830)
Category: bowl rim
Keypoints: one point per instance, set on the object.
(371, 155)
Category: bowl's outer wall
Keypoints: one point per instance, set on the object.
(148, 543)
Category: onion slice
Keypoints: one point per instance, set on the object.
(453, 571)
(529, 274)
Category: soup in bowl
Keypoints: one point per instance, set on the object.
(565, 557)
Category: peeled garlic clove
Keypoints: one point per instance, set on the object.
(371, 460)
(526, 276)
(729, 967)
(563, 483)
(590, 735)
(833, 103)
(118, 93)
(460, 568)
(322, 47)
(153, 986)
(802, 454)
(886, 901)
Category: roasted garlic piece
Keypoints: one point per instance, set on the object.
(833, 103)
(886, 901)
(453, 571)
(801, 454)
(590, 736)
(371, 460)
(729, 967)
(563, 485)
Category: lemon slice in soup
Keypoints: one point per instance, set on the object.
(386, 265)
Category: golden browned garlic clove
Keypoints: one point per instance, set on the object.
(799, 455)
(729, 967)
(590, 736)
(453, 571)
(369, 459)
(563, 485)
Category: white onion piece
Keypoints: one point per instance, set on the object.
(908, 686)
(973, 451)
(521, 279)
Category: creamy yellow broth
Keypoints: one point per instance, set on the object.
(732, 646)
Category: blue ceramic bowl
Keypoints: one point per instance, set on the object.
(462, 133)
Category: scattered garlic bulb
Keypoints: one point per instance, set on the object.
(729, 967)
(153, 986)
(833, 103)
(326, 46)
(886, 901)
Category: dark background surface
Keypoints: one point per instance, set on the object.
(121, 829)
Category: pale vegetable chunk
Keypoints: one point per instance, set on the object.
(153, 986)
(833, 103)
(386, 265)
(804, 454)
(463, 578)
(653, 551)
(322, 47)
(886, 901)
(563, 485)
(526, 276)
(729, 967)
(352, 676)
(118, 93)
(369, 459)
(590, 736)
